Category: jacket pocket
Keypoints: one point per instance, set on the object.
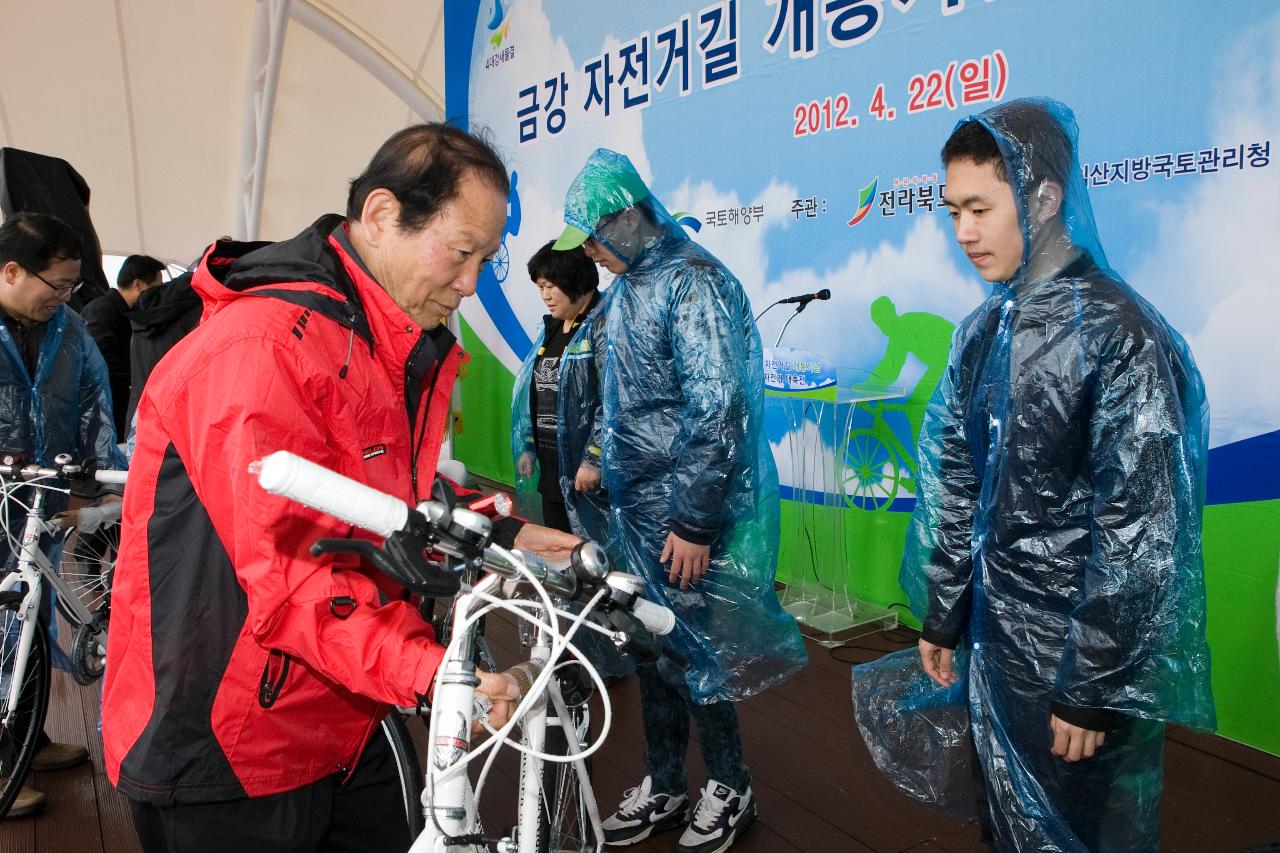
(273, 677)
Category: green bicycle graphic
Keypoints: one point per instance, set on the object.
(878, 466)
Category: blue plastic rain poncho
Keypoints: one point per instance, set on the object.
(66, 407)
(1056, 535)
(684, 445)
(579, 413)
(579, 424)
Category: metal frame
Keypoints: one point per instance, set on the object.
(270, 21)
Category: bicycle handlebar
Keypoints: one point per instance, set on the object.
(63, 468)
(460, 533)
(290, 476)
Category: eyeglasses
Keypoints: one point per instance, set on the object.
(65, 291)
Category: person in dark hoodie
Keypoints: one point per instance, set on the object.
(160, 318)
(245, 676)
(107, 319)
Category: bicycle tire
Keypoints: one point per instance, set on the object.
(87, 566)
(18, 737)
(870, 479)
(408, 769)
(563, 825)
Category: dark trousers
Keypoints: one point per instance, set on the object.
(364, 815)
(666, 710)
(555, 515)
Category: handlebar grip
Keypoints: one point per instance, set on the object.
(116, 478)
(655, 618)
(290, 476)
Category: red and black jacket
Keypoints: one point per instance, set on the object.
(239, 665)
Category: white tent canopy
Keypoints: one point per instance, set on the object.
(155, 103)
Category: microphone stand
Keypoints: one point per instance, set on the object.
(766, 310)
(799, 308)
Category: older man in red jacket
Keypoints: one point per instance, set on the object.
(244, 675)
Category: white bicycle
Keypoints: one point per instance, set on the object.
(557, 808)
(81, 589)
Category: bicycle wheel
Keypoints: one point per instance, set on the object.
(563, 824)
(88, 563)
(20, 725)
(870, 471)
(409, 770)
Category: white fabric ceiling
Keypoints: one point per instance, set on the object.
(145, 98)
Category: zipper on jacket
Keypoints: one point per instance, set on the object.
(273, 676)
(418, 428)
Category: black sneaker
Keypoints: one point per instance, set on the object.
(721, 817)
(643, 813)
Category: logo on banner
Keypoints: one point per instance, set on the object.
(499, 25)
(866, 196)
(688, 220)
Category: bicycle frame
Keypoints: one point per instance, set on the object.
(29, 613)
(448, 798)
(463, 534)
(34, 569)
(534, 727)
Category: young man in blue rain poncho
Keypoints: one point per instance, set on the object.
(1055, 546)
(694, 496)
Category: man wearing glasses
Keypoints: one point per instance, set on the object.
(51, 370)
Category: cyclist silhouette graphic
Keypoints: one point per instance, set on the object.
(879, 461)
(502, 259)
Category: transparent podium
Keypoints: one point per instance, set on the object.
(815, 402)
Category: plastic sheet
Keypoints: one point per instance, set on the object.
(66, 408)
(684, 446)
(897, 704)
(1057, 529)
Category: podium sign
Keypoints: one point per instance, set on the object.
(816, 401)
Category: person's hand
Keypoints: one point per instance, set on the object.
(88, 519)
(587, 478)
(1072, 743)
(503, 692)
(689, 562)
(936, 662)
(546, 542)
(524, 466)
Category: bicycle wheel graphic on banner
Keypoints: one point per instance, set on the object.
(870, 471)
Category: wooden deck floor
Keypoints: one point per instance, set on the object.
(816, 786)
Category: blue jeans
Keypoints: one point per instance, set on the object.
(666, 710)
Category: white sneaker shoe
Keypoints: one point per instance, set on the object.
(721, 817)
(643, 813)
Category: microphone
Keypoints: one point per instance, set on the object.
(805, 299)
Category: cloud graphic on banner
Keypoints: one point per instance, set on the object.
(538, 57)
(1212, 270)
(804, 457)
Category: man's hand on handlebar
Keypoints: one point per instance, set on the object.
(503, 691)
(546, 542)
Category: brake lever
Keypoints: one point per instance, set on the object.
(642, 643)
(435, 583)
